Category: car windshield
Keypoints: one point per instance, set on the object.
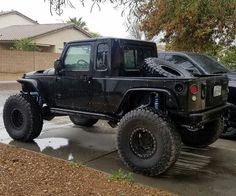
(209, 64)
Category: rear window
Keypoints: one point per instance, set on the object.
(134, 57)
(208, 63)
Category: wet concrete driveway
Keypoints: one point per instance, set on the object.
(210, 171)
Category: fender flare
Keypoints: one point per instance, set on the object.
(29, 84)
(157, 90)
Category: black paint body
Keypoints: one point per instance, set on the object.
(202, 71)
(110, 93)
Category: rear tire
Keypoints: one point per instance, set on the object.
(83, 121)
(203, 137)
(229, 133)
(146, 143)
(22, 117)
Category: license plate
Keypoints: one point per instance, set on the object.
(217, 91)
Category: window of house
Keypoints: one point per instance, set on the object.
(78, 58)
(102, 57)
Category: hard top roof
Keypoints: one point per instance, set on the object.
(110, 38)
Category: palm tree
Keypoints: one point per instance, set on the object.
(78, 22)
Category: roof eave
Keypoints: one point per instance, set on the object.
(61, 29)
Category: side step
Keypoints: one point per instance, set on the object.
(76, 112)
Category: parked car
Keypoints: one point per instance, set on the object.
(201, 64)
(106, 79)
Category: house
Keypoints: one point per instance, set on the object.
(48, 37)
(13, 17)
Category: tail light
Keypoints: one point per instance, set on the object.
(194, 89)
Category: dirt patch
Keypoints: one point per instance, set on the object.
(24, 172)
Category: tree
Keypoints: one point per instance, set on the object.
(57, 6)
(25, 45)
(95, 34)
(82, 24)
(193, 25)
(134, 30)
(228, 57)
(79, 22)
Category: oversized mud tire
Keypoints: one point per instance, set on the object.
(156, 67)
(229, 127)
(22, 117)
(203, 137)
(229, 133)
(146, 143)
(83, 121)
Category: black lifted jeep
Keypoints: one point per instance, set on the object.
(108, 79)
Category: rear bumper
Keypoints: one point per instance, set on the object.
(199, 118)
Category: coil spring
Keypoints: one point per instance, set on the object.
(156, 101)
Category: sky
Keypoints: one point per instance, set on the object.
(108, 22)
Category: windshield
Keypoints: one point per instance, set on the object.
(209, 64)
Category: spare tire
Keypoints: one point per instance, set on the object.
(154, 67)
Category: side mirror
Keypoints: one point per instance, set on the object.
(58, 65)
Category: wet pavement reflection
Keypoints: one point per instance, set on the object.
(210, 171)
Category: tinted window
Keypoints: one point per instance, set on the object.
(180, 61)
(102, 57)
(134, 57)
(78, 58)
(209, 64)
(161, 55)
(130, 59)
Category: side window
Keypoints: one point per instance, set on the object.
(130, 58)
(134, 57)
(147, 53)
(102, 57)
(78, 58)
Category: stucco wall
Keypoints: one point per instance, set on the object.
(58, 38)
(13, 19)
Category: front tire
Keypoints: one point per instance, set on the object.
(146, 143)
(22, 117)
(203, 137)
(83, 121)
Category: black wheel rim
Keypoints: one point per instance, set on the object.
(17, 118)
(143, 143)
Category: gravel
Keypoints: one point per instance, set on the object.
(23, 172)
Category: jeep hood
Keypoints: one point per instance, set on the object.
(40, 72)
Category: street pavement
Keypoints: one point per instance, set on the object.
(209, 171)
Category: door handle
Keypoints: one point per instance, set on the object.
(86, 78)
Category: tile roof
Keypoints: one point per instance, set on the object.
(17, 32)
